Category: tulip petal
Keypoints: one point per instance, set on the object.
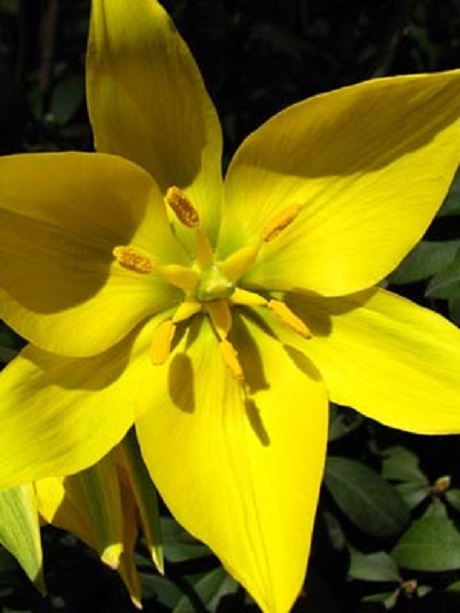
(240, 466)
(60, 217)
(148, 103)
(390, 359)
(370, 165)
(60, 415)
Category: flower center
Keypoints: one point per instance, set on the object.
(210, 286)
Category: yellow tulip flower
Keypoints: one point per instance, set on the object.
(220, 316)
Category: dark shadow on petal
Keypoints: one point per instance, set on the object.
(181, 382)
(302, 362)
(255, 419)
(249, 356)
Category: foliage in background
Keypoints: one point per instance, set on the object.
(388, 527)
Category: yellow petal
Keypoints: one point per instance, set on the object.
(61, 215)
(240, 468)
(61, 415)
(88, 505)
(148, 103)
(369, 164)
(388, 358)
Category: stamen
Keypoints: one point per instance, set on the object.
(221, 317)
(279, 222)
(133, 258)
(180, 276)
(161, 342)
(239, 262)
(245, 298)
(284, 313)
(185, 212)
(186, 310)
(204, 254)
(230, 357)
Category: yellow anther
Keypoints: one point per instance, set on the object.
(180, 276)
(185, 212)
(239, 262)
(161, 342)
(279, 222)
(133, 258)
(284, 313)
(245, 298)
(186, 310)
(221, 317)
(230, 357)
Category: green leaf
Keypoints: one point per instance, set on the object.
(426, 259)
(67, 97)
(413, 493)
(446, 283)
(377, 566)
(210, 590)
(453, 498)
(400, 464)
(431, 544)
(179, 545)
(20, 530)
(343, 421)
(451, 205)
(369, 501)
(160, 589)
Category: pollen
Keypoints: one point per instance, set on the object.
(185, 212)
(283, 312)
(133, 258)
(161, 342)
(230, 357)
(280, 222)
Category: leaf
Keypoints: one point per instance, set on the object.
(369, 501)
(453, 498)
(377, 566)
(431, 544)
(426, 259)
(343, 421)
(210, 590)
(20, 530)
(446, 283)
(401, 464)
(451, 205)
(67, 97)
(413, 493)
(179, 545)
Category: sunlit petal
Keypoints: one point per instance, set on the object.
(388, 358)
(60, 415)
(370, 165)
(240, 466)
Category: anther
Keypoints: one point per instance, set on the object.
(133, 258)
(230, 357)
(283, 312)
(280, 222)
(185, 212)
(161, 342)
